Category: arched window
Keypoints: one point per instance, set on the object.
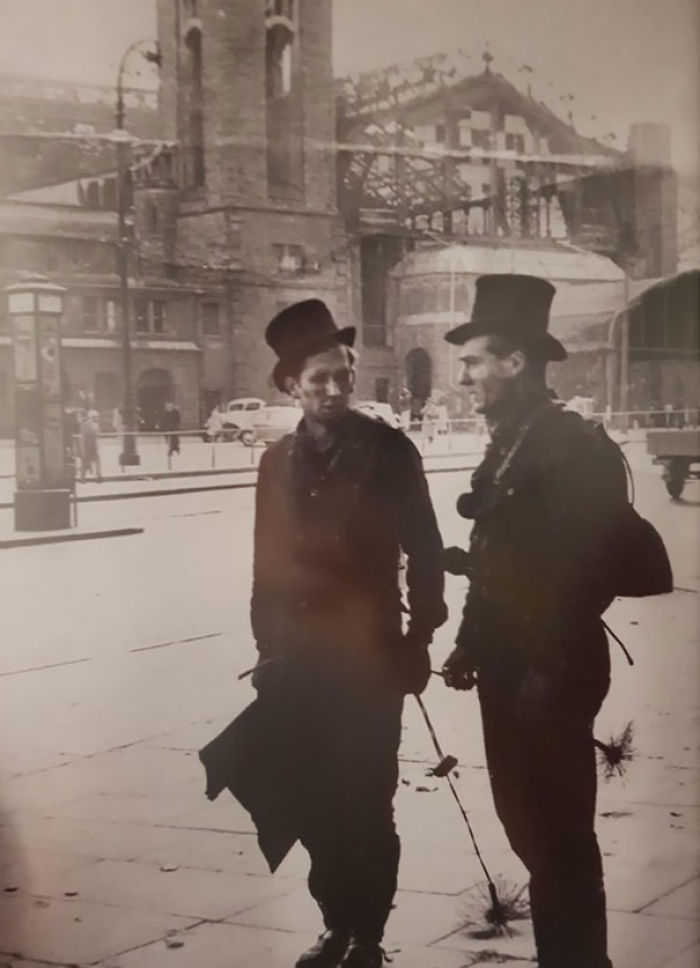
(194, 135)
(418, 377)
(284, 152)
(279, 61)
(151, 218)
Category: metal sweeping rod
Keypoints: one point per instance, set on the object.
(497, 907)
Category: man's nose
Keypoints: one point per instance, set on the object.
(464, 377)
(332, 388)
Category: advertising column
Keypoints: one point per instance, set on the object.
(42, 498)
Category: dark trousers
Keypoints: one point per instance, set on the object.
(349, 736)
(543, 779)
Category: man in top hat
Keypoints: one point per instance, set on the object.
(531, 638)
(336, 503)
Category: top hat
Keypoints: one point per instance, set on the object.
(301, 330)
(516, 307)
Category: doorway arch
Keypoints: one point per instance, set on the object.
(418, 379)
(154, 389)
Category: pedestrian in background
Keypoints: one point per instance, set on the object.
(170, 422)
(89, 447)
(215, 424)
(544, 503)
(336, 502)
(431, 419)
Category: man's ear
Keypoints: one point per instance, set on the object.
(291, 386)
(515, 362)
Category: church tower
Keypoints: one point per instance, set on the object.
(247, 96)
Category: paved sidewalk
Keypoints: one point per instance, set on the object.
(116, 859)
(117, 670)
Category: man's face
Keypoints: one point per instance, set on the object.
(324, 385)
(488, 377)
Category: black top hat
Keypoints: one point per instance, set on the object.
(300, 330)
(516, 307)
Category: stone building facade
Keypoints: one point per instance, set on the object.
(76, 247)
(245, 210)
(261, 180)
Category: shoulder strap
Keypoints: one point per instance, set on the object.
(523, 431)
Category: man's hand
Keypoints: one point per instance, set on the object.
(411, 663)
(455, 561)
(458, 670)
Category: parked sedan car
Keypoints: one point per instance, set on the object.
(378, 411)
(272, 423)
(238, 418)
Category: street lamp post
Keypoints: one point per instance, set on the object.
(129, 456)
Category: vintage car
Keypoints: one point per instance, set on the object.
(271, 423)
(238, 418)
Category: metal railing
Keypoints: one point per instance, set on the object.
(194, 452)
(183, 452)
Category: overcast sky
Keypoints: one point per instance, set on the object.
(623, 60)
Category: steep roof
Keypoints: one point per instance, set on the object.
(379, 95)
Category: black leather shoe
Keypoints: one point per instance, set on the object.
(327, 952)
(363, 956)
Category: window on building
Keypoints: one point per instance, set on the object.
(464, 134)
(378, 255)
(149, 315)
(109, 194)
(141, 315)
(283, 101)
(481, 139)
(279, 8)
(158, 315)
(440, 132)
(110, 315)
(99, 315)
(92, 195)
(516, 142)
(194, 147)
(211, 323)
(151, 218)
(289, 258)
(90, 311)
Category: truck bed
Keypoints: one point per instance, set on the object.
(674, 442)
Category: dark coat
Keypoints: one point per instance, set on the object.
(328, 534)
(544, 501)
(170, 420)
(326, 604)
